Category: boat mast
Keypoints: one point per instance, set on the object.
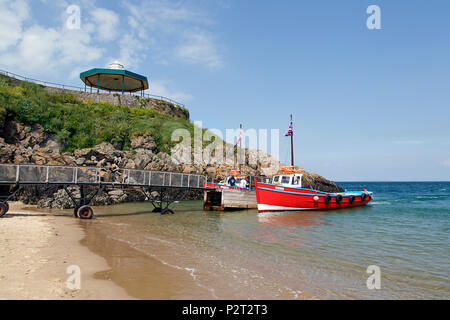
(292, 145)
(240, 147)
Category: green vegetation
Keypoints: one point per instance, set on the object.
(83, 125)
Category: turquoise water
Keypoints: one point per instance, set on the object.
(405, 231)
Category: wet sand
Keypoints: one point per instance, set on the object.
(36, 250)
(39, 245)
(139, 274)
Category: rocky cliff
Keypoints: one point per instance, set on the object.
(45, 126)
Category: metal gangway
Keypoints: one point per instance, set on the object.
(14, 177)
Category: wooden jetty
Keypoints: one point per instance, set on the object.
(223, 199)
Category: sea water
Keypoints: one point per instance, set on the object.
(404, 231)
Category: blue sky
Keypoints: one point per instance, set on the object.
(367, 104)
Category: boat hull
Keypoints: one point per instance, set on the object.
(272, 198)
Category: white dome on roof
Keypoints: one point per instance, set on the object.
(116, 65)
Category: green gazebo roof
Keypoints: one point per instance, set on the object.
(114, 78)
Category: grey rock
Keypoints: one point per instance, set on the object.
(143, 144)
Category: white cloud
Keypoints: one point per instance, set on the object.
(446, 163)
(199, 48)
(174, 33)
(48, 50)
(13, 14)
(167, 32)
(132, 51)
(107, 23)
(160, 88)
(163, 14)
(42, 51)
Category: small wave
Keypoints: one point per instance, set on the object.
(160, 240)
(191, 271)
(381, 202)
(296, 293)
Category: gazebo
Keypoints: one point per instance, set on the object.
(114, 78)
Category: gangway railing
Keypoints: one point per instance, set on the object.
(36, 175)
(16, 176)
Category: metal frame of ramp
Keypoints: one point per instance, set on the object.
(17, 176)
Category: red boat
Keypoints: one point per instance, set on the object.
(285, 193)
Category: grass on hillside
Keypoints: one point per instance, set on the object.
(83, 125)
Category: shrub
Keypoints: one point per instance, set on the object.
(83, 125)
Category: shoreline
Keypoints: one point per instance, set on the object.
(37, 249)
(40, 244)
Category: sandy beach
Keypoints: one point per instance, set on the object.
(37, 249)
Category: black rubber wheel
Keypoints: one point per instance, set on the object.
(363, 197)
(75, 211)
(85, 213)
(167, 212)
(328, 200)
(351, 199)
(3, 209)
(339, 199)
(157, 210)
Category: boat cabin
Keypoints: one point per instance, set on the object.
(288, 180)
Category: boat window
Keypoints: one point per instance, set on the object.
(286, 179)
(276, 179)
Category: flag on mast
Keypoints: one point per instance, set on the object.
(240, 137)
(291, 130)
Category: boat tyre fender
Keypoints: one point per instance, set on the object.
(3, 209)
(167, 212)
(86, 213)
(363, 197)
(327, 199)
(75, 211)
(351, 199)
(339, 199)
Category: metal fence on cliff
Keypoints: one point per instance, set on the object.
(81, 89)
